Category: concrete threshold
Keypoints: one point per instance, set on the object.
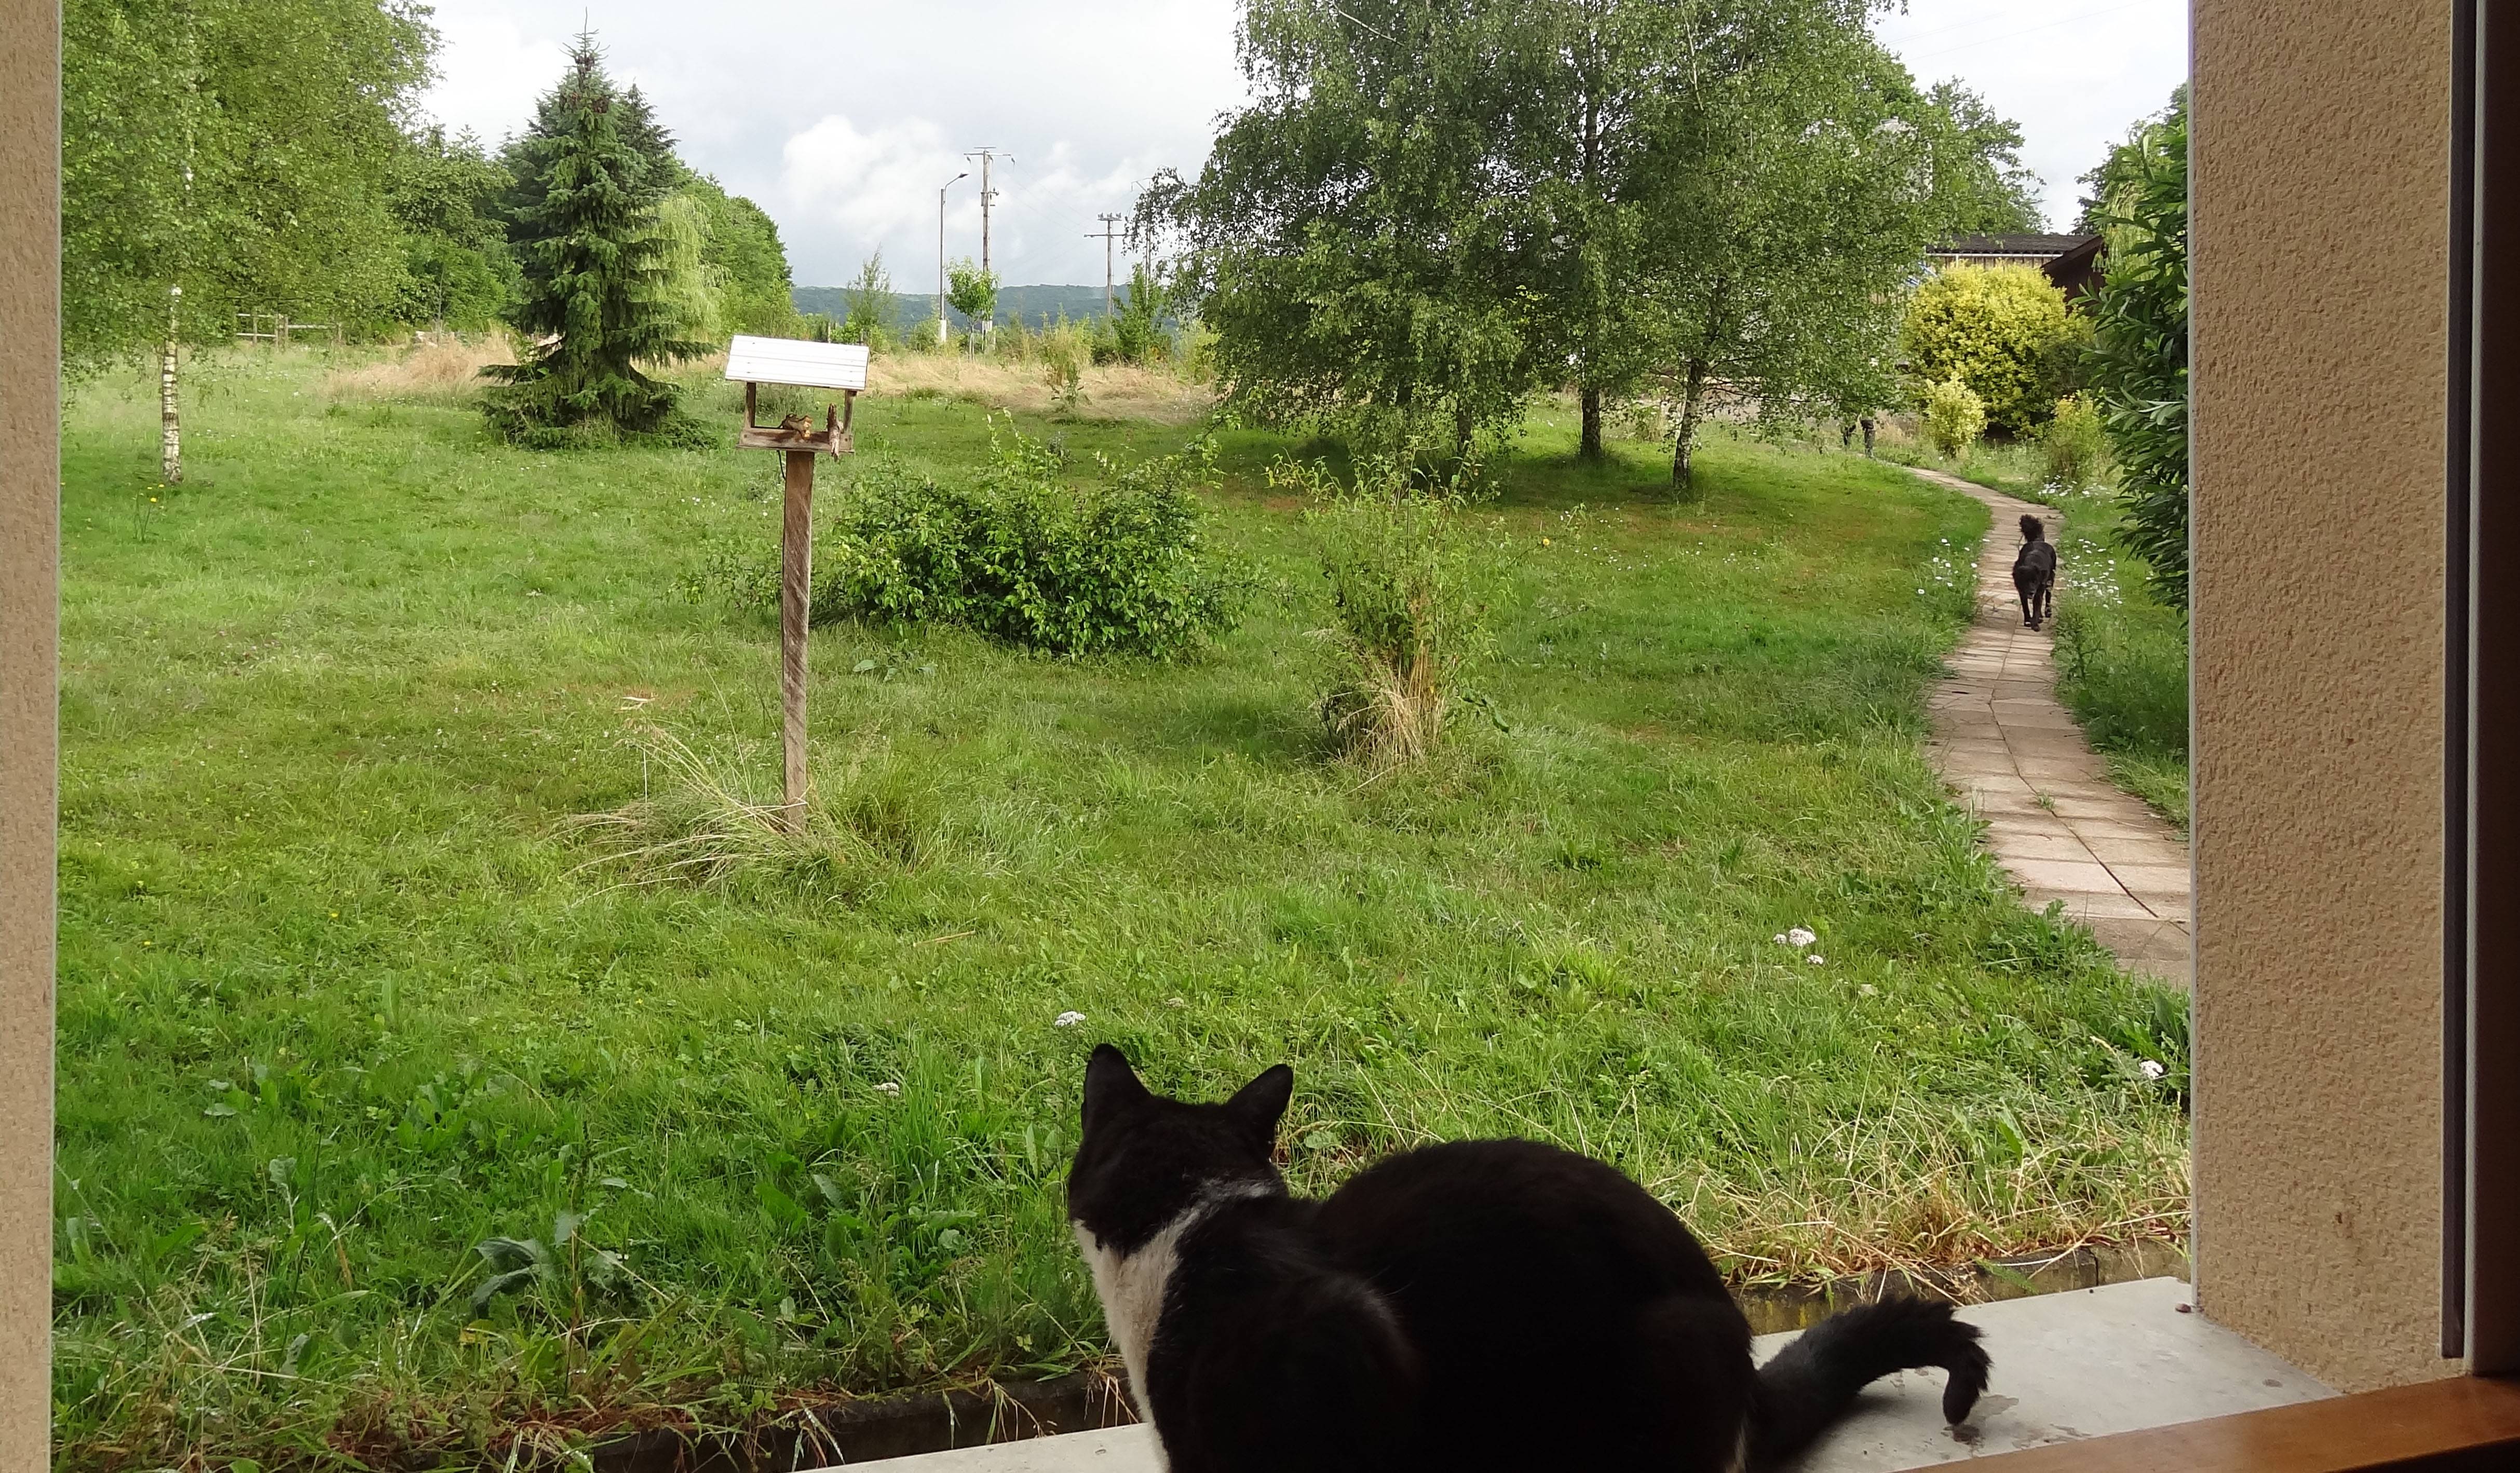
(2087, 1364)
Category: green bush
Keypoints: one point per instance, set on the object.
(1115, 566)
(2073, 442)
(1996, 329)
(1134, 332)
(1954, 418)
(1409, 593)
(2139, 363)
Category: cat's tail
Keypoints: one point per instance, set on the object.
(1812, 1382)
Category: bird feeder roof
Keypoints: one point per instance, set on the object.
(789, 360)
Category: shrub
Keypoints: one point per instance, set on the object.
(2139, 363)
(973, 292)
(1115, 566)
(1954, 418)
(1995, 328)
(2073, 442)
(1409, 594)
(1064, 349)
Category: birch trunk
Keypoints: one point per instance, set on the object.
(170, 428)
(1691, 403)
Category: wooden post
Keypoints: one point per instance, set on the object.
(752, 362)
(795, 597)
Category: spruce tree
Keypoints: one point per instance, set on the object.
(591, 172)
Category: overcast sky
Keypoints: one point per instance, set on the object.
(842, 121)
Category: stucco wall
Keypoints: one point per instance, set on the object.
(2321, 274)
(29, 499)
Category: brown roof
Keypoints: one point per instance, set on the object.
(2047, 248)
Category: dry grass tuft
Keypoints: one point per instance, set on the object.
(1117, 391)
(1388, 705)
(695, 825)
(434, 371)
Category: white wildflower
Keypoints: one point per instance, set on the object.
(1781, 939)
(1816, 960)
(1800, 937)
(2150, 1069)
(1068, 1020)
(888, 1088)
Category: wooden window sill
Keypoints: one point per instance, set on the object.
(2461, 1425)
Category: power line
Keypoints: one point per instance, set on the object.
(1109, 232)
(988, 197)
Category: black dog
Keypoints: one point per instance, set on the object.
(2034, 572)
(1477, 1307)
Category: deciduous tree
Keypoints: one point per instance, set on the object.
(1796, 187)
(1351, 239)
(444, 195)
(240, 149)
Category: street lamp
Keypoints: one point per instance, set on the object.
(940, 251)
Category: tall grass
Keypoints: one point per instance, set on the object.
(2122, 657)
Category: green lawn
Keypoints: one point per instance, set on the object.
(345, 991)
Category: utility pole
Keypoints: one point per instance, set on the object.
(941, 252)
(988, 198)
(1109, 232)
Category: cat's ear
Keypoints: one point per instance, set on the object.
(1109, 1083)
(1259, 1105)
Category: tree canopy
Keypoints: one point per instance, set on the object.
(240, 149)
(267, 156)
(444, 194)
(1990, 190)
(1422, 219)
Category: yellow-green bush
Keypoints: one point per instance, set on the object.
(2073, 442)
(1954, 418)
(1994, 329)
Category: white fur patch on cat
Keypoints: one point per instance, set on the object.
(1132, 1286)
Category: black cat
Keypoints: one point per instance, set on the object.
(1481, 1305)
(2034, 572)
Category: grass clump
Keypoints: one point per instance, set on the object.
(697, 821)
(1409, 603)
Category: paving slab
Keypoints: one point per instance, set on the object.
(2067, 1366)
(2017, 758)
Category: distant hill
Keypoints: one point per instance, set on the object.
(1029, 304)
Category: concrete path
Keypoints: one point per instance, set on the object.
(2053, 819)
(2067, 1366)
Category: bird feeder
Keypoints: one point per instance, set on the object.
(842, 366)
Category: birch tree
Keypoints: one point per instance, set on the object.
(236, 148)
(1794, 189)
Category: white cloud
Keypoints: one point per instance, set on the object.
(490, 72)
(2075, 77)
(842, 120)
